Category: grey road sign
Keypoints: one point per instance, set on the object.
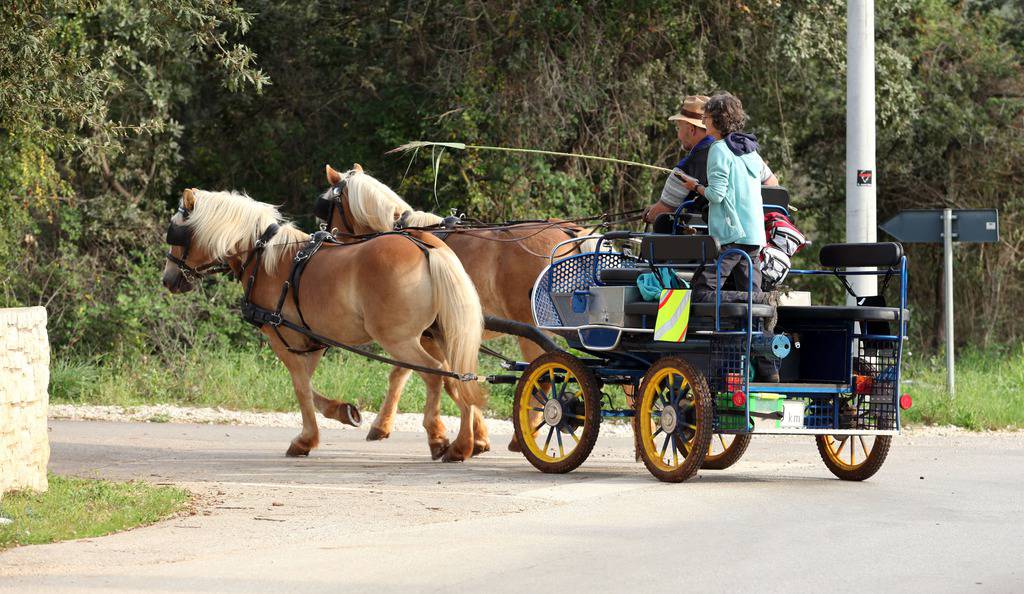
(979, 225)
(946, 226)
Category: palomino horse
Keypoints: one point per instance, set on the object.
(503, 263)
(382, 290)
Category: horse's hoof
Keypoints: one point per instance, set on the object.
(513, 446)
(349, 415)
(451, 456)
(438, 449)
(481, 447)
(295, 451)
(376, 434)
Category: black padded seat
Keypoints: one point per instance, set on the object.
(843, 255)
(838, 312)
(620, 276)
(702, 310)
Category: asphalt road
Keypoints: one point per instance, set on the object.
(945, 513)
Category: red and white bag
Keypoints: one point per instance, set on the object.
(784, 240)
(775, 265)
(783, 234)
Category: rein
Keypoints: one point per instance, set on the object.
(325, 207)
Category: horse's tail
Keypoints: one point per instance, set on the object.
(460, 317)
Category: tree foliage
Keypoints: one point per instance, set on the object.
(108, 108)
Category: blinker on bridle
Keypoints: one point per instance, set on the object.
(181, 236)
(324, 208)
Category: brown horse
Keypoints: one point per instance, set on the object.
(503, 263)
(382, 290)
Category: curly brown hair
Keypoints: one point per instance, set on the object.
(726, 112)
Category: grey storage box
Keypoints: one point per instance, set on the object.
(606, 306)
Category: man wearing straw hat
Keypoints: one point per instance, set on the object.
(694, 137)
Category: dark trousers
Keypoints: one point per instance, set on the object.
(733, 265)
(736, 267)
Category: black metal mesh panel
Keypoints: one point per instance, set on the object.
(726, 368)
(874, 403)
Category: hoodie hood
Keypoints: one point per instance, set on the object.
(744, 146)
(741, 143)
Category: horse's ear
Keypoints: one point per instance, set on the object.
(333, 176)
(188, 199)
(357, 168)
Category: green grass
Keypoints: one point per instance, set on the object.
(989, 389)
(990, 384)
(80, 508)
(250, 380)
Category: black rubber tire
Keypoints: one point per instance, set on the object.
(589, 388)
(704, 415)
(862, 471)
(730, 456)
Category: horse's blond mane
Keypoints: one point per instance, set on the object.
(377, 206)
(226, 223)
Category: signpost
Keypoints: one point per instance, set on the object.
(946, 225)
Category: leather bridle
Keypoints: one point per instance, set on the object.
(181, 236)
(334, 199)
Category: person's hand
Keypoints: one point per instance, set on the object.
(690, 183)
(651, 212)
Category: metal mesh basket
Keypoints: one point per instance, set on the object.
(876, 369)
(576, 273)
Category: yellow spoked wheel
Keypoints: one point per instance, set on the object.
(853, 457)
(673, 420)
(556, 412)
(725, 450)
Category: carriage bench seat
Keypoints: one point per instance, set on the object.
(838, 312)
(702, 310)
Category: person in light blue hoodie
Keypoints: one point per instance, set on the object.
(735, 216)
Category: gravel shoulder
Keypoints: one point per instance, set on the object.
(404, 422)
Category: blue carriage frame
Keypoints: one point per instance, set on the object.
(615, 363)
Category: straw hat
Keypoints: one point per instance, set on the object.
(692, 110)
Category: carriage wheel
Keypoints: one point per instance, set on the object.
(853, 457)
(725, 450)
(556, 412)
(673, 420)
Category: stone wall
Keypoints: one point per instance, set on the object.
(24, 378)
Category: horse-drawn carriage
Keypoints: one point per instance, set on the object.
(693, 403)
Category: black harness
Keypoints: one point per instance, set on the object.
(259, 316)
(181, 235)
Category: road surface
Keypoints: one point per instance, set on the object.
(945, 513)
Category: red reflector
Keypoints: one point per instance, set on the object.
(739, 399)
(906, 401)
(733, 381)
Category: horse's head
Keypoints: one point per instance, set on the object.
(186, 262)
(334, 207)
(359, 204)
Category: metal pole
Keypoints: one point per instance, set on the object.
(861, 217)
(947, 248)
